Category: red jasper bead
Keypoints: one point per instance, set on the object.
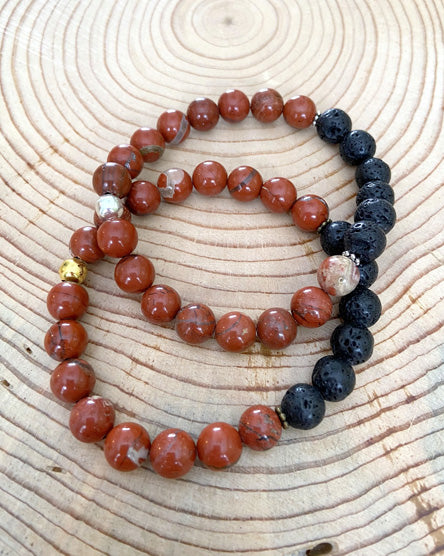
(117, 238)
(219, 445)
(233, 105)
(276, 328)
(174, 126)
(67, 301)
(235, 332)
(278, 194)
(203, 114)
(144, 198)
(134, 273)
(160, 304)
(66, 339)
(260, 427)
(112, 178)
(267, 105)
(83, 244)
(209, 178)
(91, 419)
(244, 183)
(311, 307)
(299, 111)
(309, 212)
(173, 453)
(127, 156)
(175, 185)
(127, 446)
(72, 380)
(195, 323)
(149, 142)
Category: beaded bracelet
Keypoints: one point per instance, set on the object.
(347, 272)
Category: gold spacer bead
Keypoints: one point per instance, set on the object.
(282, 417)
(73, 270)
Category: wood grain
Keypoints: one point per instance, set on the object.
(76, 78)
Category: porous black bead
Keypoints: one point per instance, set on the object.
(372, 169)
(378, 211)
(368, 273)
(361, 307)
(332, 237)
(352, 343)
(333, 125)
(376, 190)
(366, 240)
(357, 146)
(334, 378)
(303, 406)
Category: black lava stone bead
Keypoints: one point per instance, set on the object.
(334, 378)
(378, 211)
(357, 146)
(366, 240)
(368, 274)
(361, 307)
(372, 169)
(333, 125)
(376, 190)
(352, 343)
(303, 405)
(332, 237)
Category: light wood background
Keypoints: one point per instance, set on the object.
(78, 77)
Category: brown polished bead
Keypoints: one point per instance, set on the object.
(129, 157)
(203, 114)
(267, 105)
(309, 212)
(233, 105)
(311, 307)
(66, 339)
(219, 445)
(209, 178)
(260, 427)
(125, 216)
(244, 183)
(127, 446)
(117, 238)
(149, 142)
(278, 194)
(174, 126)
(134, 273)
(83, 245)
(144, 198)
(195, 323)
(299, 112)
(175, 185)
(91, 419)
(67, 300)
(160, 304)
(72, 380)
(276, 328)
(112, 178)
(235, 332)
(173, 453)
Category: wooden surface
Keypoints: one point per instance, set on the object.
(77, 78)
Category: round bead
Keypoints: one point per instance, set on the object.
(368, 274)
(244, 183)
(233, 105)
(338, 275)
(376, 190)
(332, 237)
(175, 185)
(299, 112)
(372, 169)
(117, 238)
(378, 211)
(209, 178)
(66, 339)
(260, 428)
(203, 114)
(267, 105)
(311, 307)
(174, 126)
(67, 300)
(356, 147)
(72, 380)
(366, 240)
(352, 343)
(127, 446)
(134, 273)
(173, 453)
(144, 198)
(91, 419)
(276, 328)
(278, 194)
(309, 212)
(361, 307)
(83, 245)
(127, 156)
(235, 332)
(109, 207)
(112, 178)
(334, 378)
(303, 406)
(149, 142)
(333, 125)
(126, 215)
(73, 270)
(160, 304)
(219, 445)
(195, 323)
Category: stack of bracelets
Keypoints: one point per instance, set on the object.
(347, 272)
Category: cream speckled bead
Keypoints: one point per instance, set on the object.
(338, 275)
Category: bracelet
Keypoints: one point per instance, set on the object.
(348, 271)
